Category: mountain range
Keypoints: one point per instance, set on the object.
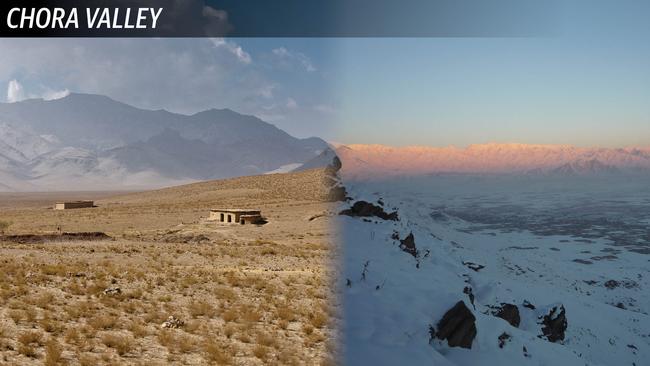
(370, 161)
(90, 142)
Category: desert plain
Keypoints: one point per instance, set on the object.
(158, 284)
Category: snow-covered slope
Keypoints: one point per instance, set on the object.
(21, 146)
(369, 161)
(486, 243)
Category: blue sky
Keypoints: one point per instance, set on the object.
(458, 91)
(585, 83)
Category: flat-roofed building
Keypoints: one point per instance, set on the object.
(236, 216)
(73, 204)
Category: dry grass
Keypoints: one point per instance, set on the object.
(247, 295)
(53, 353)
(122, 344)
(216, 353)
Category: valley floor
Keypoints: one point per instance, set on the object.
(243, 294)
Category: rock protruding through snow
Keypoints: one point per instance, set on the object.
(367, 209)
(554, 324)
(503, 339)
(473, 266)
(408, 245)
(457, 326)
(509, 313)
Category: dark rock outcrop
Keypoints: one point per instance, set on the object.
(473, 266)
(367, 209)
(337, 191)
(509, 313)
(582, 261)
(503, 339)
(334, 166)
(528, 305)
(408, 245)
(457, 326)
(336, 194)
(468, 291)
(554, 324)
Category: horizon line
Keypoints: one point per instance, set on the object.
(494, 143)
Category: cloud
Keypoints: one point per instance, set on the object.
(266, 91)
(15, 92)
(288, 58)
(180, 75)
(233, 48)
(218, 24)
(326, 109)
(55, 94)
(291, 103)
(210, 12)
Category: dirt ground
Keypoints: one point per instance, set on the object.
(238, 294)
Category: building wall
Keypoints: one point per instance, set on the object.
(228, 217)
(70, 205)
(251, 220)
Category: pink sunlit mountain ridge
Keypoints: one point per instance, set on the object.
(368, 161)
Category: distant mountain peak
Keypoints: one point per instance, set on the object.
(92, 141)
(585, 167)
(218, 111)
(493, 158)
(74, 96)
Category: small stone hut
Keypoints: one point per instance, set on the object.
(233, 215)
(73, 204)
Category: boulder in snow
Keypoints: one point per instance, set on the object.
(408, 245)
(509, 313)
(554, 324)
(367, 209)
(457, 326)
(528, 305)
(473, 266)
(503, 339)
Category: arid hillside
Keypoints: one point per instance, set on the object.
(169, 286)
(160, 209)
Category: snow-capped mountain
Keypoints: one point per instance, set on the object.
(370, 161)
(585, 167)
(327, 158)
(84, 141)
(19, 145)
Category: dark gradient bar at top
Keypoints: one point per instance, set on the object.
(311, 18)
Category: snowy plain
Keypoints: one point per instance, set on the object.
(580, 242)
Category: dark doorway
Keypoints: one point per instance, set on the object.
(221, 217)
